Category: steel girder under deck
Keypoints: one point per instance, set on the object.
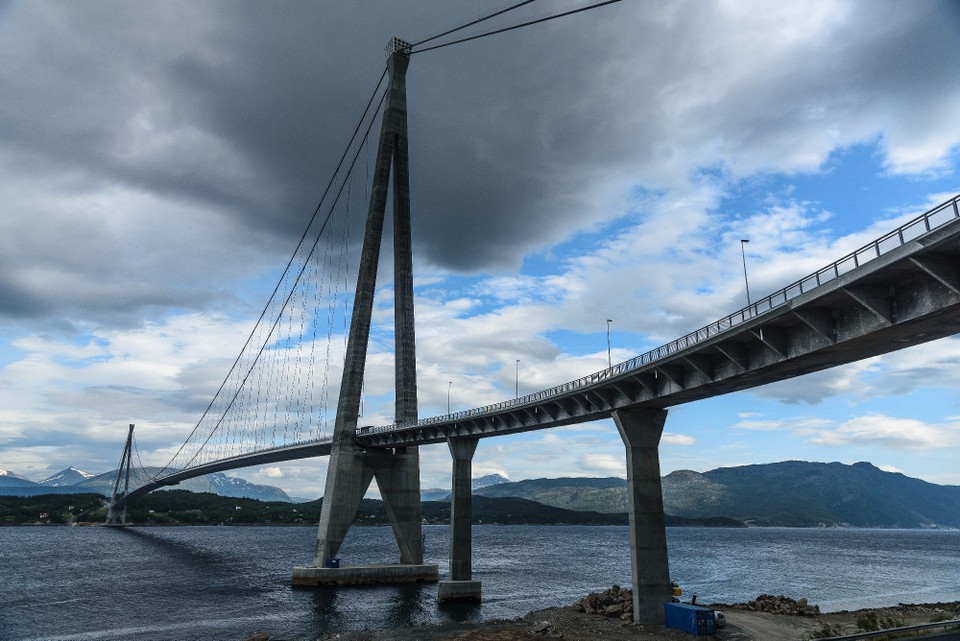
(907, 296)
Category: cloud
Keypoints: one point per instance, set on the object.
(206, 159)
(270, 472)
(891, 432)
(677, 439)
(160, 160)
(798, 423)
(603, 464)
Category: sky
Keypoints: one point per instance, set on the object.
(159, 161)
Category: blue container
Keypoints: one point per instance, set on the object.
(333, 563)
(689, 618)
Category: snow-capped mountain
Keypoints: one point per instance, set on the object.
(217, 483)
(11, 480)
(69, 476)
(74, 481)
(488, 480)
(443, 494)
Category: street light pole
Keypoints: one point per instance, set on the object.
(517, 379)
(743, 254)
(609, 358)
(449, 385)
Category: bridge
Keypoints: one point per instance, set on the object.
(900, 290)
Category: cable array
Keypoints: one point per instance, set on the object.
(277, 393)
(518, 25)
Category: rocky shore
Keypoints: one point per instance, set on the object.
(607, 616)
(777, 605)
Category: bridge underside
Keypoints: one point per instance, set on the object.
(905, 298)
(902, 297)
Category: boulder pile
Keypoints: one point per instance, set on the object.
(615, 602)
(779, 605)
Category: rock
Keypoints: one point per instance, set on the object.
(779, 605)
(542, 628)
(258, 636)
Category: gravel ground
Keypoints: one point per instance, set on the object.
(565, 623)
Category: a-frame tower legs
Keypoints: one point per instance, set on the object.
(397, 470)
(115, 515)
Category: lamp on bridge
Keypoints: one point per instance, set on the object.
(517, 379)
(609, 359)
(449, 385)
(743, 254)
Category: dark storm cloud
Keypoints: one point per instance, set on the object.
(184, 144)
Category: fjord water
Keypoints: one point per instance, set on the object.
(222, 583)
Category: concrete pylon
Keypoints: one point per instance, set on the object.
(460, 586)
(397, 470)
(640, 430)
(115, 515)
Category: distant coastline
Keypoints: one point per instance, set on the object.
(180, 508)
(788, 494)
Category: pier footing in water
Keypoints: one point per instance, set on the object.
(376, 573)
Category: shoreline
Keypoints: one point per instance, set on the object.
(369, 525)
(566, 623)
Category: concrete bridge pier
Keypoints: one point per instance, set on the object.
(640, 430)
(461, 586)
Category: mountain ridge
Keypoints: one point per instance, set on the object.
(74, 481)
(789, 493)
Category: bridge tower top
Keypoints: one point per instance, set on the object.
(396, 45)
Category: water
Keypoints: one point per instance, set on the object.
(222, 583)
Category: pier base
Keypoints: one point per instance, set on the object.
(448, 591)
(368, 574)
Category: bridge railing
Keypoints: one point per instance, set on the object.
(909, 231)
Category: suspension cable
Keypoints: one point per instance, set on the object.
(473, 22)
(286, 269)
(516, 26)
(279, 317)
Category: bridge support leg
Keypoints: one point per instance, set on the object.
(640, 430)
(116, 517)
(398, 477)
(348, 478)
(397, 471)
(461, 586)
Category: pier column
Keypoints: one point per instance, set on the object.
(461, 586)
(640, 430)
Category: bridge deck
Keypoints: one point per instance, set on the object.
(901, 290)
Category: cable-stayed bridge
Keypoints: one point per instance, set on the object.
(275, 402)
(839, 314)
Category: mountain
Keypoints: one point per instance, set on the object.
(435, 494)
(69, 476)
(799, 493)
(792, 493)
(216, 483)
(481, 482)
(607, 495)
(11, 481)
(182, 507)
(488, 481)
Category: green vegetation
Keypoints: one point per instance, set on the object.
(791, 493)
(55, 509)
(826, 631)
(871, 622)
(180, 507)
